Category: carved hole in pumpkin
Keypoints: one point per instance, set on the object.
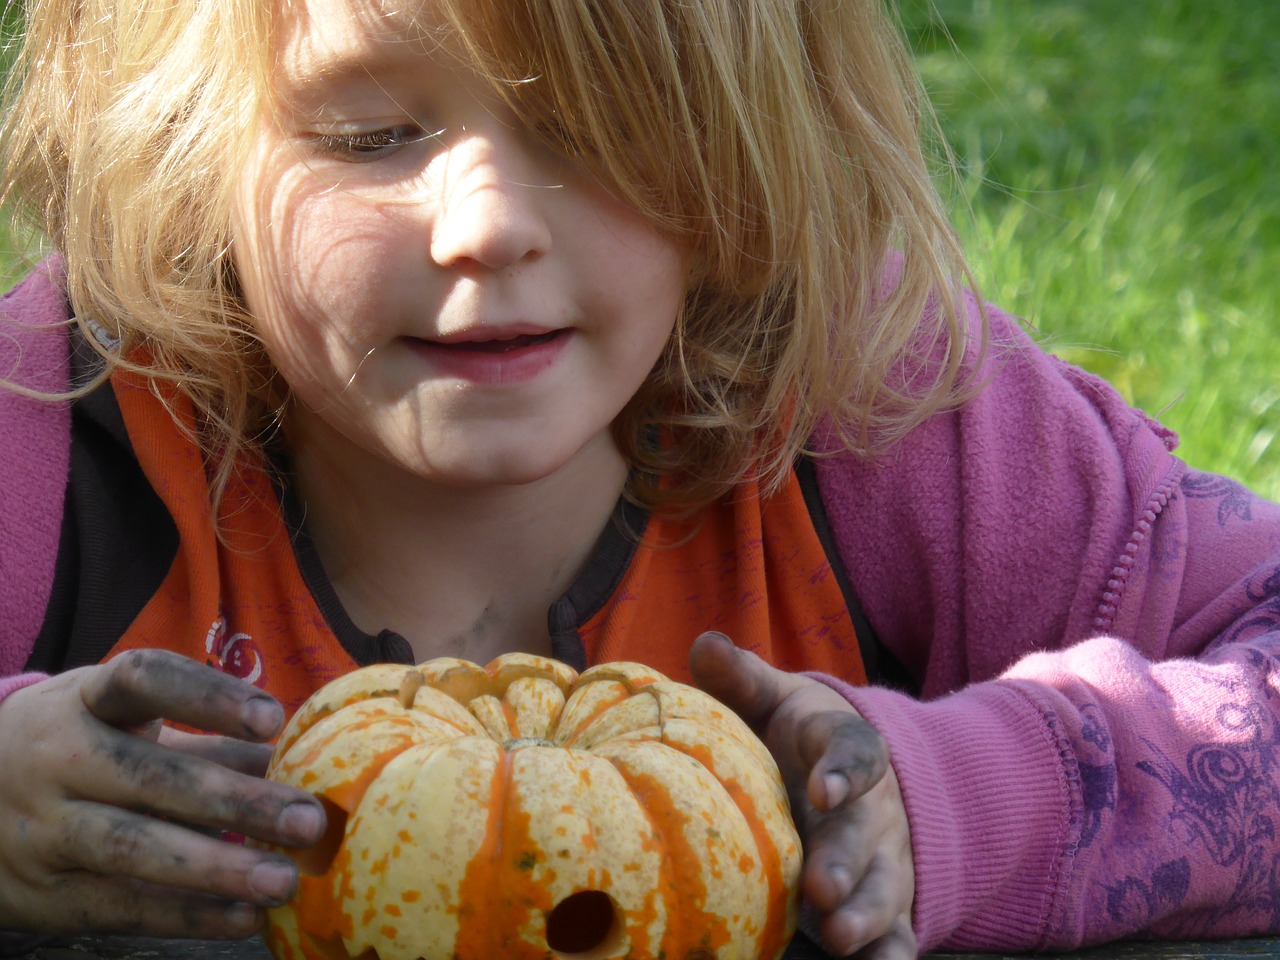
(316, 860)
(585, 924)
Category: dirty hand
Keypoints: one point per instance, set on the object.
(109, 820)
(858, 872)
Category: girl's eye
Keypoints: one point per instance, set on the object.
(367, 145)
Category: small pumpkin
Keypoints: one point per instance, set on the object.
(520, 810)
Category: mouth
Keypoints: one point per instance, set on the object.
(498, 345)
(497, 359)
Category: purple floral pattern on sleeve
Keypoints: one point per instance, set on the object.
(1133, 901)
(1224, 795)
(1097, 779)
(1263, 592)
(1234, 500)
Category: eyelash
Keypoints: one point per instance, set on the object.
(368, 145)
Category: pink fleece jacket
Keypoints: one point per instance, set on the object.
(35, 455)
(1093, 628)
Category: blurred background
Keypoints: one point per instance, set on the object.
(1114, 188)
(1117, 188)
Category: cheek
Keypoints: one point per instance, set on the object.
(658, 275)
(638, 271)
(288, 319)
(309, 262)
(265, 259)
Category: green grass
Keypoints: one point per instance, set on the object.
(1115, 191)
(12, 263)
(1114, 163)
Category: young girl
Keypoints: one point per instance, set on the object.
(601, 330)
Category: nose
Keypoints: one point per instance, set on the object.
(492, 205)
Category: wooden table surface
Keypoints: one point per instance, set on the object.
(139, 948)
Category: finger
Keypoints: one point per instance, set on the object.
(113, 842)
(837, 856)
(898, 944)
(117, 905)
(140, 686)
(739, 679)
(871, 911)
(229, 752)
(846, 754)
(136, 774)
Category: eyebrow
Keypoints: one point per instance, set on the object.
(392, 44)
(353, 64)
(315, 78)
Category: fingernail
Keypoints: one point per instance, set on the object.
(273, 881)
(837, 787)
(262, 717)
(301, 822)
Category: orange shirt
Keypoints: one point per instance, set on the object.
(753, 569)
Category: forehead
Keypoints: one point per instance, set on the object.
(322, 39)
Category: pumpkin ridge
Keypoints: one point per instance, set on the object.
(348, 795)
(766, 848)
(641, 934)
(507, 669)
(489, 889)
(513, 719)
(365, 684)
(628, 679)
(586, 725)
(681, 880)
(471, 884)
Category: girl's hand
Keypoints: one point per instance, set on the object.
(109, 821)
(858, 872)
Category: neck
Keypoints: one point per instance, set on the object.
(458, 571)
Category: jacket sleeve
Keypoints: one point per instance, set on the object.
(35, 445)
(1094, 631)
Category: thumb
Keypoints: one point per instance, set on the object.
(739, 679)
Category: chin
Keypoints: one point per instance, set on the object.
(489, 472)
(512, 458)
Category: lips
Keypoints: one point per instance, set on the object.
(499, 344)
(493, 358)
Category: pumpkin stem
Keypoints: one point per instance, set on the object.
(409, 687)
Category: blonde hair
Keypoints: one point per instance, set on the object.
(122, 119)
(779, 139)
